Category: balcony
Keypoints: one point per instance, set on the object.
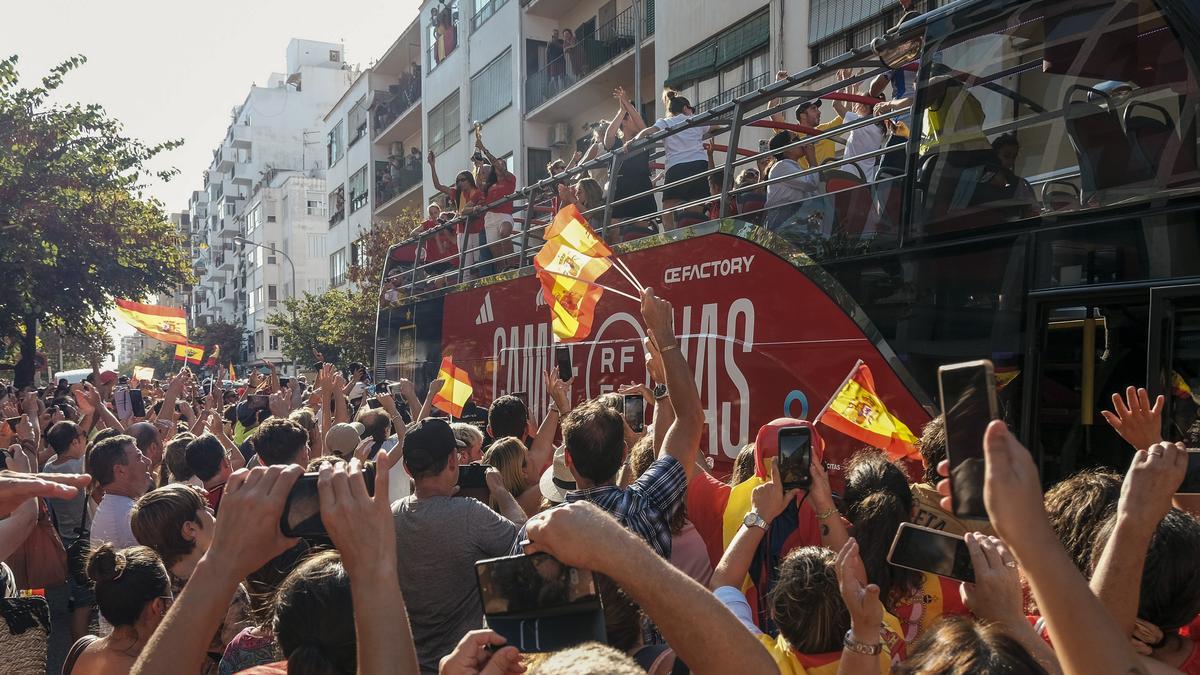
(223, 262)
(392, 186)
(227, 227)
(593, 58)
(443, 36)
(753, 84)
(239, 136)
(396, 113)
(224, 161)
(242, 177)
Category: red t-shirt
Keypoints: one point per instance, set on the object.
(213, 496)
(474, 224)
(502, 188)
(440, 246)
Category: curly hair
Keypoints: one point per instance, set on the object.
(806, 603)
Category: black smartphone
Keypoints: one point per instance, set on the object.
(472, 482)
(562, 357)
(136, 403)
(302, 510)
(968, 393)
(373, 403)
(635, 412)
(1191, 480)
(927, 550)
(518, 592)
(259, 402)
(122, 403)
(795, 457)
(13, 422)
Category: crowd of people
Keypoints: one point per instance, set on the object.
(179, 529)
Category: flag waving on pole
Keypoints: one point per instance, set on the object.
(559, 258)
(167, 324)
(570, 228)
(456, 389)
(572, 305)
(212, 358)
(193, 354)
(857, 411)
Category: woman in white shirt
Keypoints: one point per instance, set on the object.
(685, 155)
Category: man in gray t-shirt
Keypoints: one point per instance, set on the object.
(438, 539)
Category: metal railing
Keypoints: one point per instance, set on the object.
(485, 12)
(753, 84)
(402, 97)
(590, 52)
(399, 180)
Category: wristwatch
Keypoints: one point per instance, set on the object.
(752, 519)
(660, 392)
(861, 647)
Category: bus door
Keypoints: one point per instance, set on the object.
(1173, 359)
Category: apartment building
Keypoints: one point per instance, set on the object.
(277, 128)
(130, 347)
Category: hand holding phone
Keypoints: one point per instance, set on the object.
(928, 550)
(302, 511)
(968, 394)
(634, 407)
(562, 357)
(540, 604)
(795, 457)
(472, 482)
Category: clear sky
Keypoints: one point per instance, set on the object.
(173, 70)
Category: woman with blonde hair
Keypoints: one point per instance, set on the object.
(510, 457)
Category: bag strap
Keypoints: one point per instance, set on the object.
(83, 531)
(77, 650)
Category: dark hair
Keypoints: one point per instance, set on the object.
(594, 436)
(1005, 140)
(877, 500)
(126, 581)
(157, 519)
(204, 456)
(314, 617)
(780, 140)
(145, 434)
(279, 441)
(174, 465)
(932, 446)
(263, 583)
(673, 102)
(107, 454)
(806, 602)
(101, 436)
(622, 616)
(958, 645)
(743, 466)
(1170, 587)
(468, 176)
(1077, 507)
(61, 435)
(377, 422)
(508, 416)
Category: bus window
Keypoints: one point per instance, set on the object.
(1053, 106)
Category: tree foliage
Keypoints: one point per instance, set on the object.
(223, 333)
(367, 270)
(339, 324)
(76, 226)
(161, 357)
(81, 345)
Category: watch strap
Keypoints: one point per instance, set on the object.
(861, 647)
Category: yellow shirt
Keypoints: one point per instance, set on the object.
(826, 149)
(792, 663)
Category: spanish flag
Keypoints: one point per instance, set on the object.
(558, 258)
(232, 373)
(857, 411)
(572, 305)
(571, 228)
(193, 354)
(161, 323)
(212, 358)
(456, 388)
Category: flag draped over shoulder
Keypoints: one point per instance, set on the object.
(572, 305)
(193, 354)
(456, 389)
(857, 411)
(168, 324)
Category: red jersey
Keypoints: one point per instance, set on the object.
(503, 187)
(464, 202)
(439, 247)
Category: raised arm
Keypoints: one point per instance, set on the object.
(541, 450)
(15, 528)
(682, 440)
(389, 406)
(437, 185)
(427, 406)
(506, 504)
(614, 125)
(779, 116)
(635, 115)
(844, 74)
(1138, 422)
(581, 535)
(497, 165)
(767, 501)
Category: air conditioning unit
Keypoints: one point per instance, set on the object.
(560, 134)
(396, 149)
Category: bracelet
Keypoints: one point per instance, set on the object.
(664, 350)
(861, 647)
(825, 514)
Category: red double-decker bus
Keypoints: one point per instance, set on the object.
(1031, 197)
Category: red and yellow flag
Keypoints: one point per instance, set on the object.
(857, 411)
(456, 389)
(571, 229)
(558, 258)
(193, 354)
(212, 358)
(572, 305)
(168, 324)
(232, 373)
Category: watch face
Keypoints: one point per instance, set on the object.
(660, 390)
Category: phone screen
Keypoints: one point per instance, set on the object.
(302, 512)
(259, 402)
(968, 392)
(927, 550)
(1191, 480)
(562, 357)
(534, 583)
(795, 457)
(373, 403)
(136, 404)
(635, 412)
(472, 482)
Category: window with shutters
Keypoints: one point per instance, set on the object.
(444, 127)
(492, 88)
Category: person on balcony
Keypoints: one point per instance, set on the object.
(556, 64)
(574, 54)
(685, 156)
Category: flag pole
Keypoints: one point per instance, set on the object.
(625, 272)
(838, 390)
(592, 283)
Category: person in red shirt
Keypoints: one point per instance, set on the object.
(207, 459)
(498, 224)
(469, 200)
(439, 253)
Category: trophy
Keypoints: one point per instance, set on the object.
(478, 131)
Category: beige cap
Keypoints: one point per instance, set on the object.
(557, 480)
(343, 438)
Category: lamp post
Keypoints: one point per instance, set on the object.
(272, 249)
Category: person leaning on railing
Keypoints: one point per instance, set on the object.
(469, 201)
(685, 156)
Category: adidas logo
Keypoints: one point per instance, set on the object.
(485, 311)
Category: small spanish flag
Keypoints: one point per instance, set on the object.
(168, 324)
(857, 411)
(232, 373)
(456, 389)
(572, 305)
(193, 354)
(559, 258)
(212, 358)
(571, 229)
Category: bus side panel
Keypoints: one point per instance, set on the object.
(763, 340)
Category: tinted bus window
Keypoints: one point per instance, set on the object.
(1053, 107)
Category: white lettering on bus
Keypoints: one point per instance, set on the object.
(522, 359)
(720, 414)
(707, 270)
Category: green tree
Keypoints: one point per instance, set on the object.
(161, 357)
(80, 345)
(339, 324)
(367, 269)
(77, 227)
(223, 333)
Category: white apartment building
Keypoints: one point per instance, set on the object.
(277, 128)
(130, 347)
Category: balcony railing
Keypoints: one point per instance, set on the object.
(443, 36)
(396, 181)
(337, 216)
(590, 52)
(486, 12)
(358, 200)
(400, 97)
(754, 83)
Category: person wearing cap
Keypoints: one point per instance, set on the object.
(808, 114)
(343, 437)
(440, 536)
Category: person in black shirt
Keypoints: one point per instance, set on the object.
(633, 176)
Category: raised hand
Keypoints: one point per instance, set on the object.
(482, 652)
(16, 487)
(996, 594)
(659, 319)
(769, 500)
(247, 534)
(1139, 423)
(360, 525)
(280, 403)
(578, 534)
(1153, 477)
(559, 390)
(861, 596)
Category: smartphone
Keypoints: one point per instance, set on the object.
(13, 422)
(136, 403)
(302, 511)
(518, 592)
(259, 401)
(472, 482)
(562, 357)
(1191, 480)
(927, 550)
(795, 457)
(121, 402)
(373, 403)
(635, 412)
(968, 393)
